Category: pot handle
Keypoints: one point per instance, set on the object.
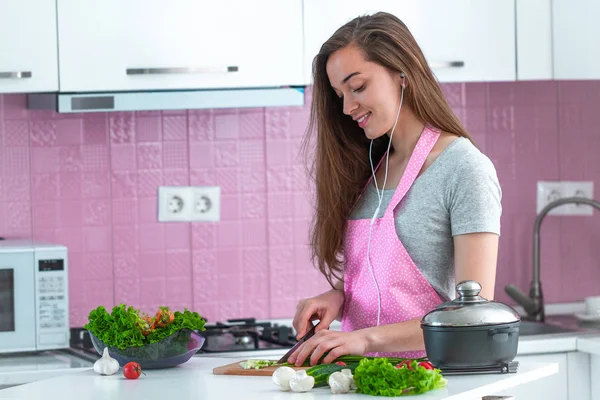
(502, 334)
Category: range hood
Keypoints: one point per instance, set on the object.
(166, 100)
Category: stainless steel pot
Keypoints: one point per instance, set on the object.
(471, 331)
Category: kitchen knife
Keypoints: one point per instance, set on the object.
(303, 339)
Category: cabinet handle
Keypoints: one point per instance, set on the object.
(449, 64)
(181, 70)
(15, 75)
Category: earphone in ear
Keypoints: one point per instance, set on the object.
(380, 198)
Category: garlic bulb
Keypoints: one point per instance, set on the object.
(302, 382)
(106, 365)
(282, 377)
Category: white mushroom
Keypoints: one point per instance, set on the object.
(339, 382)
(282, 377)
(348, 372)
(302, 382)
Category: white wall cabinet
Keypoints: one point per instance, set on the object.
(534, 40)
(153, 45)
(28, 57)
(575, 33)
(480, 34)
(115, 45)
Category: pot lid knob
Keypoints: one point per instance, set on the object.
(468, 289)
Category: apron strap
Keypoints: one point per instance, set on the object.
(417, 159)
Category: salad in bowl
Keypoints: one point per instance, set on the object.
(163, 340)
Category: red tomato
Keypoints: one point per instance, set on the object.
(406, 363)
(132, 370)
(343, 364)
(426, 364)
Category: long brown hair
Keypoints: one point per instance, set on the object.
(340, 164)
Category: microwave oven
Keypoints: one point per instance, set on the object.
(34, 296)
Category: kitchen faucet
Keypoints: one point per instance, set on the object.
(534, 303)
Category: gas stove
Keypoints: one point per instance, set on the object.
(233, 335)
(246, 334)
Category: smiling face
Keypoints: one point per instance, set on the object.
(369, 91)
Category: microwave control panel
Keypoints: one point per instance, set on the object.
(53, 305)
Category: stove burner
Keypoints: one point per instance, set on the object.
(246, 334)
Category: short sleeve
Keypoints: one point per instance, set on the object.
(474, 196)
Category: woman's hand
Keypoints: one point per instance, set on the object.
(335, 343)
(325, 307)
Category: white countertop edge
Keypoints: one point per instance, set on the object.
(590, 345)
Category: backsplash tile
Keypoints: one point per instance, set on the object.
(90, 182)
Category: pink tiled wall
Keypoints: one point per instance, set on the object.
(90, 181)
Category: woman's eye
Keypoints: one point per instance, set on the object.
(360, 89)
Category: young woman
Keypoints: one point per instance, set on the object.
(391, 239)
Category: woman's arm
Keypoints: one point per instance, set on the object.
(475, 258)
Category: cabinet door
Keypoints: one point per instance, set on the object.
(28, 56)
(534, 39)
(153, 44)
(551, 387)
(480, 35)
(576, 31)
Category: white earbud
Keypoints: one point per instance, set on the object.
(380, 198)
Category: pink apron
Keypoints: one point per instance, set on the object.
(405, 292)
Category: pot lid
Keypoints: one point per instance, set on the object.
(470, 309)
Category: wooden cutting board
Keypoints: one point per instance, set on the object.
(235, 369)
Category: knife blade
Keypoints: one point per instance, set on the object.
(303, 339)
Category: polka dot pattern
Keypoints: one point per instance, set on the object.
(405, 292)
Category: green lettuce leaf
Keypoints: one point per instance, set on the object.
(123, 327)
(379, 377)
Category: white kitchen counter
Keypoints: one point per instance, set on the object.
(31, 367)
(24, 369)
(194, 380)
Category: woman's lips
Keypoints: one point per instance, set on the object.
(363, 120)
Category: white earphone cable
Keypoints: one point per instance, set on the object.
(380, 199)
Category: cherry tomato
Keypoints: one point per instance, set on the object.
(426, 364)
(343, 364)
(132, 370)
(406, 363)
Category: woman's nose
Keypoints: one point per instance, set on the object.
(349, 105)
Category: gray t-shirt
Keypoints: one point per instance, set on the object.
(458, 193)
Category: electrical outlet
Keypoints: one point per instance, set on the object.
(206, 203)
(174, 203)
(549, 191)
(579, 189)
